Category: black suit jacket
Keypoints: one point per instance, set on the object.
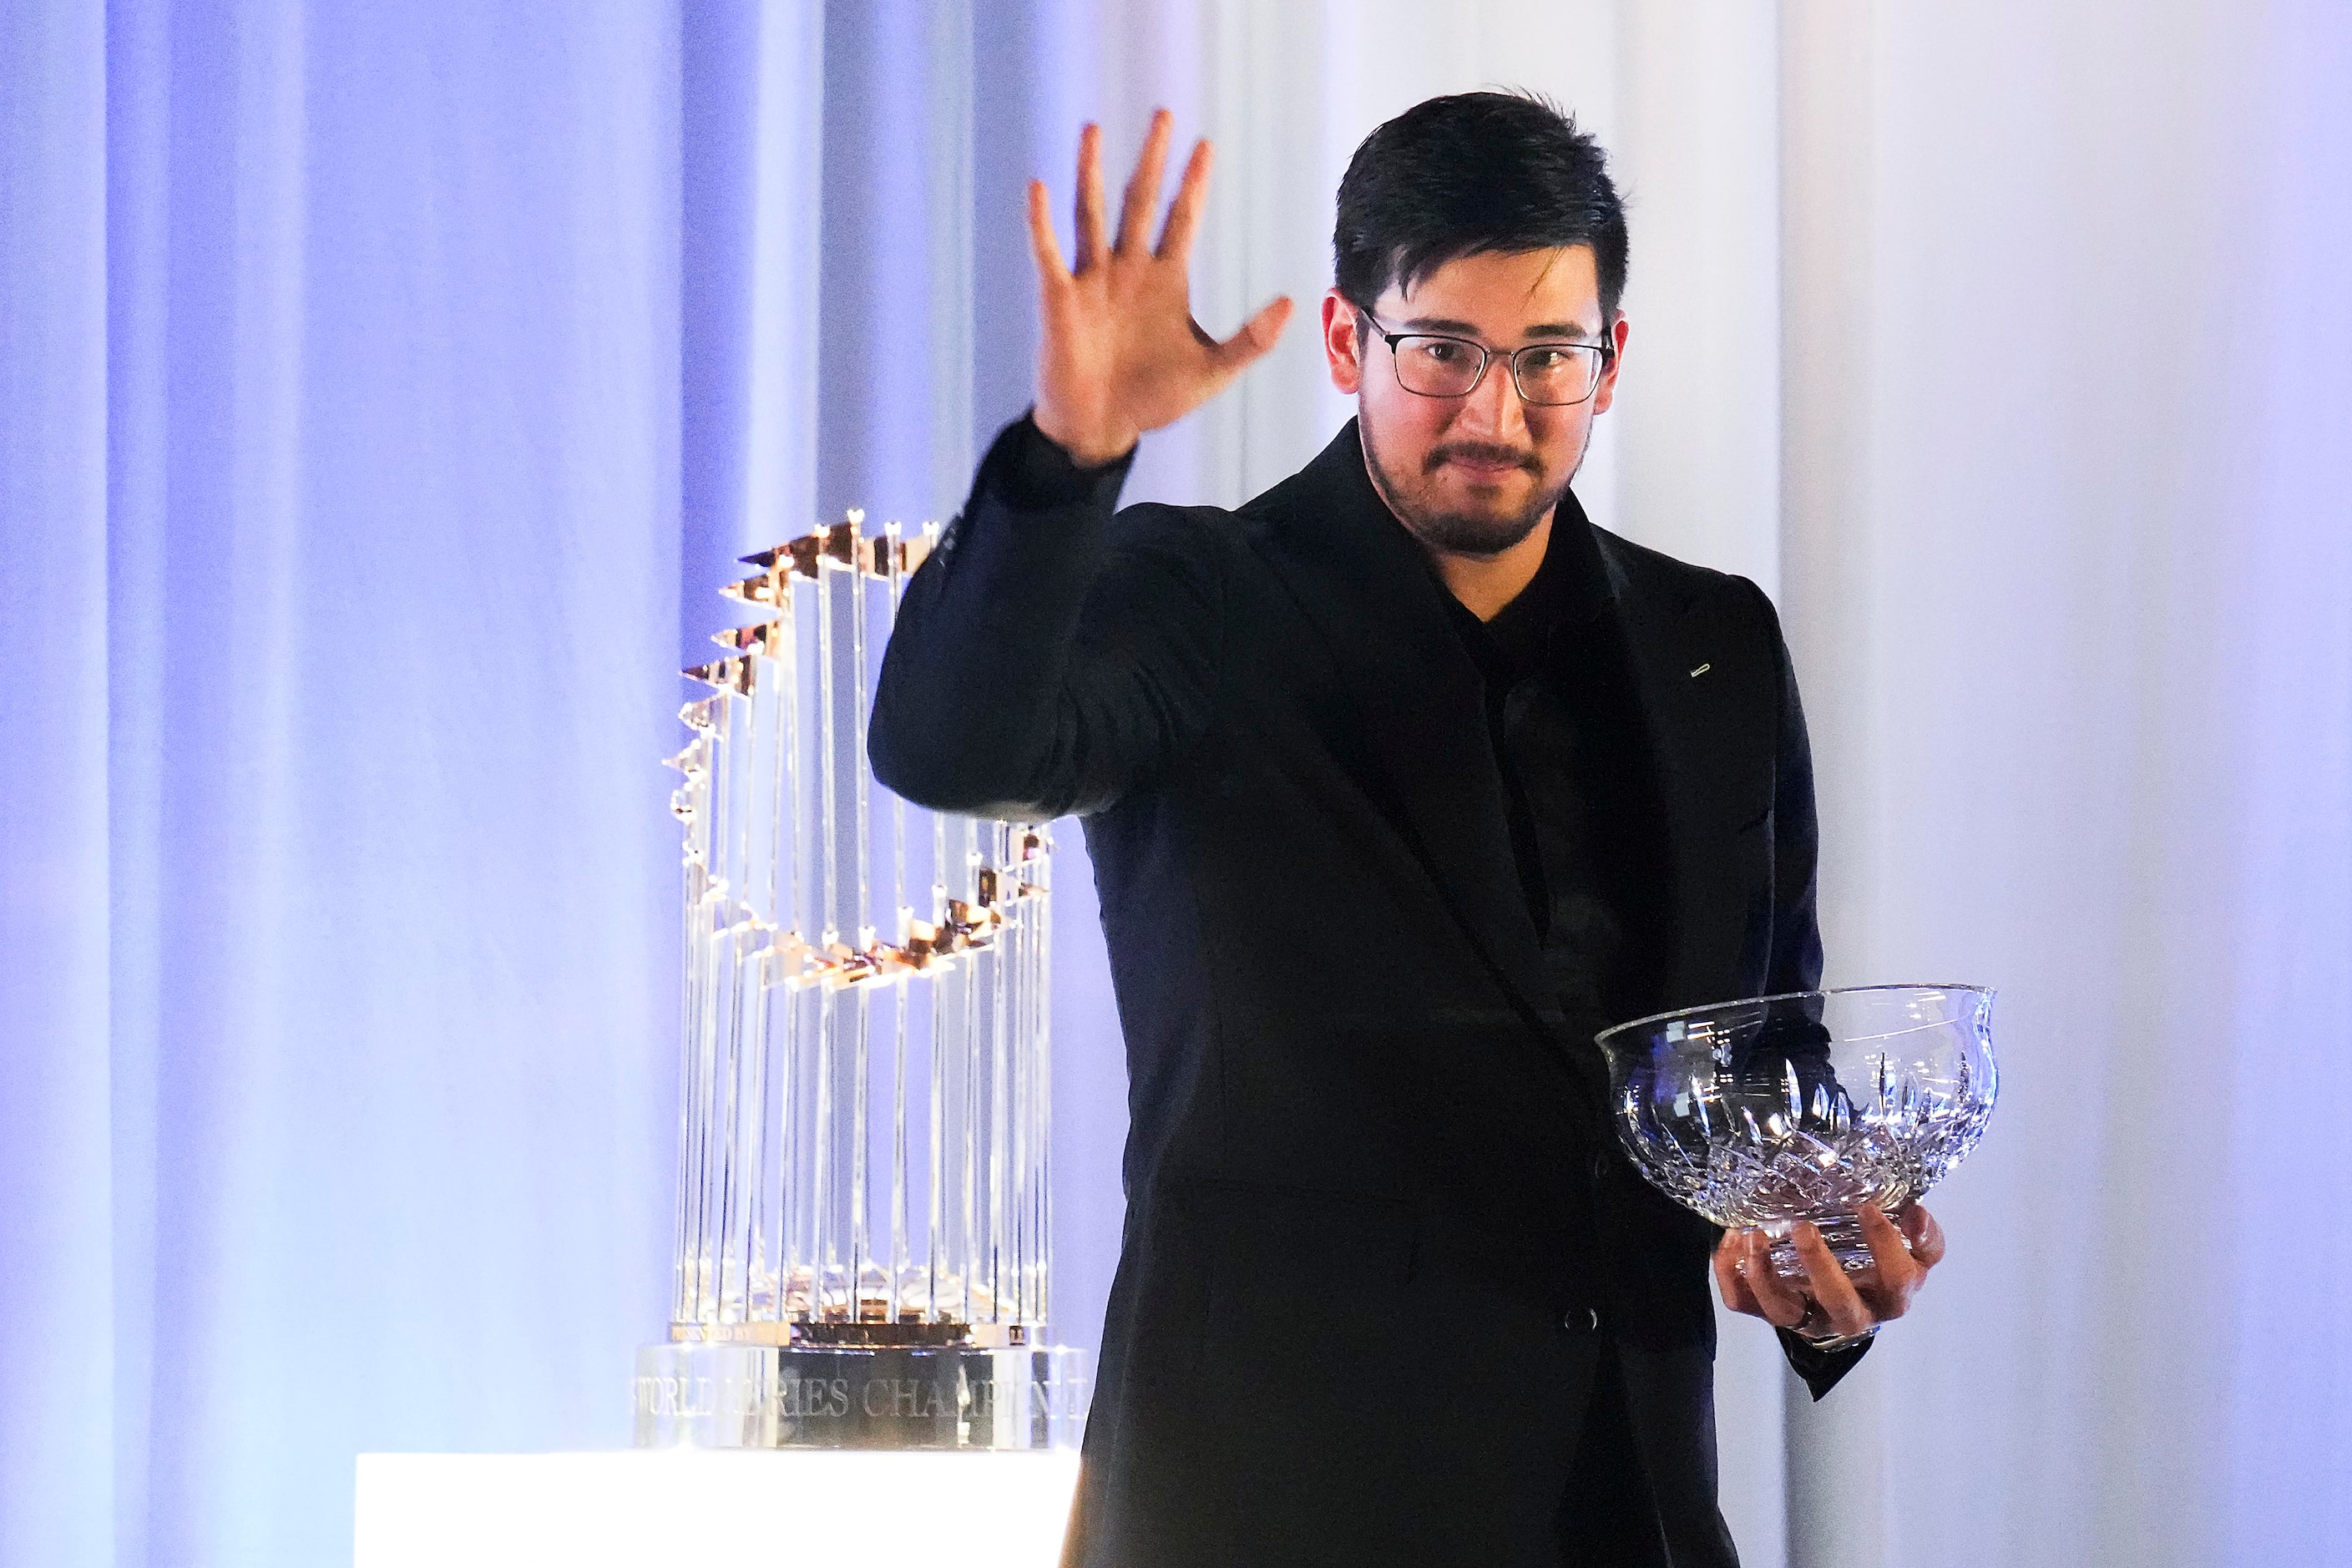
(1377, 1230)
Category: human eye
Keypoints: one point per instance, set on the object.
(1441, 350)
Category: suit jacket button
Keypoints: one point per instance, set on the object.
(1581, 1320)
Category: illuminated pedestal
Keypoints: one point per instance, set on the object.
(584, 1510)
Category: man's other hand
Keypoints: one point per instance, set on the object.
(1119, 352)
(1830, 1301)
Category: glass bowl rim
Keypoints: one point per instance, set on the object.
(1986, 992)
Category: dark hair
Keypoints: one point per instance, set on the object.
(1474, 173)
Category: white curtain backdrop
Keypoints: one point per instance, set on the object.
(383, 390)
(2068, 384)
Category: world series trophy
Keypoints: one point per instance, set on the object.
(864, 1200)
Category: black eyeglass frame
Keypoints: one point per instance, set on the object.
(1607, 351)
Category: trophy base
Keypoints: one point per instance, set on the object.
(860, 1396)
(1841, 1232)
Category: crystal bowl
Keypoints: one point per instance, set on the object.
(1762, 1112)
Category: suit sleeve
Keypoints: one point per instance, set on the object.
(1796, 956)
(1048, 657)
(1795, 962)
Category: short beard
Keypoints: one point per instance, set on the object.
(1457, 533)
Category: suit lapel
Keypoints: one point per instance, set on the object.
(1407, 720)
(1688, 690)
(1410, 716)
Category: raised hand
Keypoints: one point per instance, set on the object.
(1119, 352)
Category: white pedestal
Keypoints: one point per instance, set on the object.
(584, 1510)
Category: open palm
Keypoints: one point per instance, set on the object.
(1119, 352)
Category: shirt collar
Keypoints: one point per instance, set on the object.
(1569, 588)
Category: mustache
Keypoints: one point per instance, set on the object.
(1480, 452)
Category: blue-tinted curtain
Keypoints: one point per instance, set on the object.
(384, 393)
(341, 620)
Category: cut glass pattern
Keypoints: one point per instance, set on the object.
(1762, 1112)
(865, 1124)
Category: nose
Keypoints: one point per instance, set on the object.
(1492, 411)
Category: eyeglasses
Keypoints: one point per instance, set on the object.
(1551, 375)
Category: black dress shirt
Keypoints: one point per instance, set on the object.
(1565, 721)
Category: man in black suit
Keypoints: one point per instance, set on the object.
(1399, 782)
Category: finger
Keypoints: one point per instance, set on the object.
(1779, 1302)
(1089, 197)
(1839, 1302)
(1143, 186)
(1727, 1282)
(1897, 1273)
(1924, 1235)
(1047, 249)
(1184, 212)
(1258, 335)
(1890, 1251)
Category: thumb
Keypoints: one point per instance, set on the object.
(1256, 336)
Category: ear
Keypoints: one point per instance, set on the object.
(1607, 391)
(1341, 349)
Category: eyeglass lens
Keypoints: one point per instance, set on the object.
(1449, 367)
